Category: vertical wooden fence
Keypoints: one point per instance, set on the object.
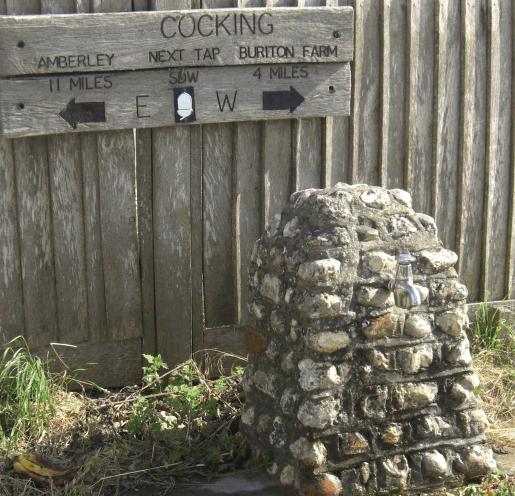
(432, 112)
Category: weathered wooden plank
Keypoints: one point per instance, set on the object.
(277, 169)
(419, 102)
(113, 364)
(11, 311)
(217, 155)
(447, 121)
(510, 283)
(119, 239)
(23, 7)
(58, 6)
(498, 149)
(37, 253)
(472, 149)
(246, 214)
(82, 43)
(111, 5)
(172, 242)
(64, 157)
(93, 239)
(225, 345)
(32, 105)
(366, 103)
(393, 94)
(197, 276)
(146, 236)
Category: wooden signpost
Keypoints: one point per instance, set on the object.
(148, 69)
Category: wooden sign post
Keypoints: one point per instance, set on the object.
(115, 71)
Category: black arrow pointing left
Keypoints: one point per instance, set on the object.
(82, 113)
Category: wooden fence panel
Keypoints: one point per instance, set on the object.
(473, 138)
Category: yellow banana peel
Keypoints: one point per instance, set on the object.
(41, 471)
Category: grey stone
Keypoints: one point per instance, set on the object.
(475, 461)
(375, 297)
(453, 322)
(271, 287)
(272, 350)
(263, 423)
(459, 354)
(418, 325)
(380, 263)
(317, 375)
(310, 453)
(287, 475)
(265, 382)
(277, 322)
(278, 434)
(473, 422)
(318, 414)
(320, 305)
(432, 426)
(247, 414)
(392, 435)
(288, 362)
(289, 401)
(374, 404)
(438, 260)
(291, 228)
(321, 272)
(412, 396)
(434, 465)
(328, 342)
(413, 359)
(395, 472)
(402, 196)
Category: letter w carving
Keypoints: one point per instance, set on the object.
(221, 104)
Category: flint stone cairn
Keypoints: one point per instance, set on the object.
(349, 393)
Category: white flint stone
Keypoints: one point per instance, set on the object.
(289, 400)
(320, 305)
(396, 472)
(317, 375)
(271, 287)
(318, 414)
(401, 226)
(328, 342)
(273, 469)
(434, 464)
(294, 330)
(291, 228)
(277, 322)
(460, 354)
(257, 310)
(287, 475)
(380, 263)
(374, 297)
(277, 437)
(265, 383)
(452, 322)
(247, 414)
(424, 292)
(321, 272)
(272, 225)
(437, 261)
(475, 461)
(310, 453)
(288, 364)
(402, 196)
(412, 396)
(417, 326)
(413, 359)
(246, 380)
(427, 221)
(272, 350)
(375, 198)
(288, 295)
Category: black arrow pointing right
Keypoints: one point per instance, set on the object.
(282, 100)
(83, 113)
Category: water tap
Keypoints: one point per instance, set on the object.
(405, 293)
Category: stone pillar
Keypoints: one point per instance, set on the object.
(349, 393)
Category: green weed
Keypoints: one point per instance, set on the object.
(26, 395)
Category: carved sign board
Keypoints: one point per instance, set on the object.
(33, 105)
(49, 44)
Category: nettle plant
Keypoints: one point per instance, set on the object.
(190, 404)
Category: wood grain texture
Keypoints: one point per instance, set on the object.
(366, 131)
(119, 238)
(36, 240)
(510, 283)
(64, 157)
(173, 223)
(58, 6)
(419, 101)
(472, 147)
(32, 106)
(172, 242)
(110, 36)
(498, 149)
(447, 121)
(93, 238)
(146, 237)
(217, 145)
(11, 310)
(113, 364)
(246, 213)
(393, 94)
